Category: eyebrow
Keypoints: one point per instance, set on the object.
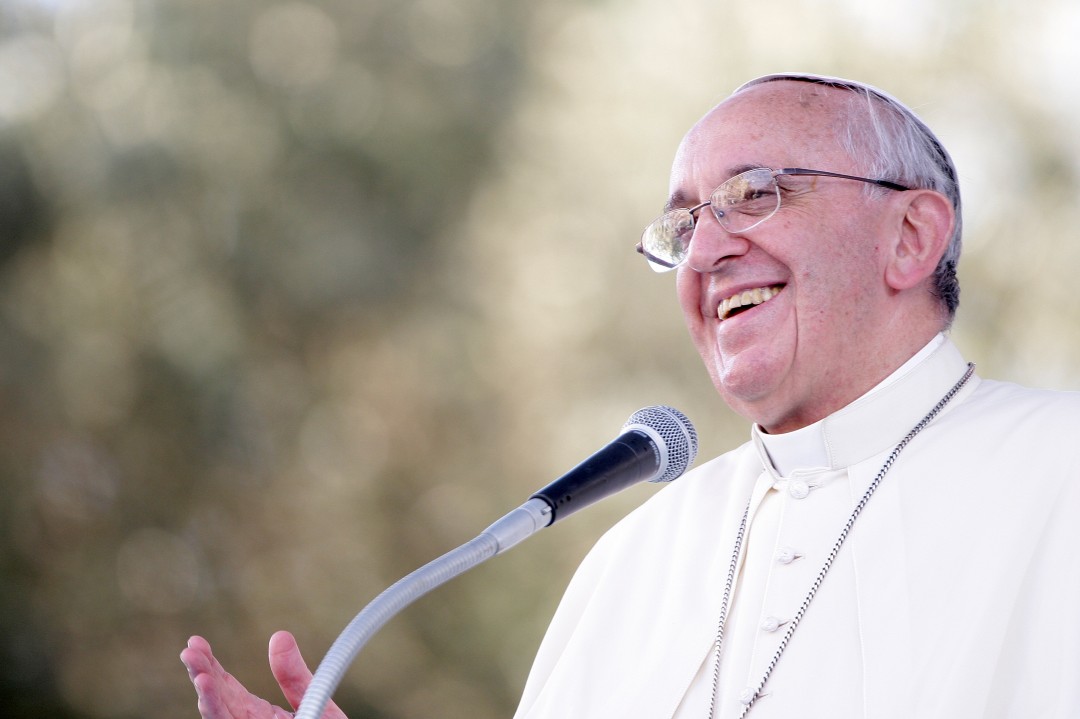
(679, 199)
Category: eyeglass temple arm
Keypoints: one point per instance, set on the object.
(652, 258)
(822, 173)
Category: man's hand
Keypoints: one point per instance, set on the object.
(221, 696)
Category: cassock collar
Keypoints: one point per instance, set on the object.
(871, 424)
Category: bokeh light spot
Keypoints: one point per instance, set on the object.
(31, 77)
(293, 45)
(157, 571)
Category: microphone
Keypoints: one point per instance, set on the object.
(657, 444)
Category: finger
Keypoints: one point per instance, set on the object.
(292, 673)
(212, 704)
(288, 667)
(209, 677)
(221, 696)
(198, 657)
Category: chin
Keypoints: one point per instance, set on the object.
(749, 387)
(740, 391)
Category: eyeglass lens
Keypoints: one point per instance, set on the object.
(738, 204)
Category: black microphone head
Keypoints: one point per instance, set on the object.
(674, 435)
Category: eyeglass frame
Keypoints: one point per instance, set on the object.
(661, 266)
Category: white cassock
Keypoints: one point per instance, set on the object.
(956, 594)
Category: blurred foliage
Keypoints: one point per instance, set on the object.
(296, 296)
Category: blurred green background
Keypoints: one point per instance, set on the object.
(296, 296)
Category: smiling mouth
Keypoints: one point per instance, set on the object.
(745, 300)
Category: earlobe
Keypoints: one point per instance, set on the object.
(921, 238)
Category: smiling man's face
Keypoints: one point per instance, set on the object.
(790, 316)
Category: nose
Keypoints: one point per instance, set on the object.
(711, 244)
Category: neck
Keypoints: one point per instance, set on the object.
(842, 387)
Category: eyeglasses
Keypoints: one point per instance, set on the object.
(739, 204)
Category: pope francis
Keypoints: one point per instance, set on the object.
(897, 539)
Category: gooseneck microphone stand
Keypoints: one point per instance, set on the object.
(657, 444)
(514, 527)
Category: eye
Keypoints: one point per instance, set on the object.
(756, 193)
(749, 187)
(755, 198)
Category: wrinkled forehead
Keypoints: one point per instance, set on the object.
(778, 124)
(783, 104)
(871, 112)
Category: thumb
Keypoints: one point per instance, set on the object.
(292, 673)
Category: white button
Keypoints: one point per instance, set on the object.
(786, 555)
(771, 624)
(798, 489)
(747, 695)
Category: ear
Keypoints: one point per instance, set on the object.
(921, 238)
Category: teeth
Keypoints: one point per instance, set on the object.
(747, 298)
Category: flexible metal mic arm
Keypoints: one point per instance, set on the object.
(657, 443)
(514, 527)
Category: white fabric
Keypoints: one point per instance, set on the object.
(805, 448)
(957, 594)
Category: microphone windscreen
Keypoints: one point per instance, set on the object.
(674, 435)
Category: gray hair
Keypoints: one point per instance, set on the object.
(899, 147)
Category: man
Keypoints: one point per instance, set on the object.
(897, 538)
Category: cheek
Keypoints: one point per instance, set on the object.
(837, 291)
(688, 289)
